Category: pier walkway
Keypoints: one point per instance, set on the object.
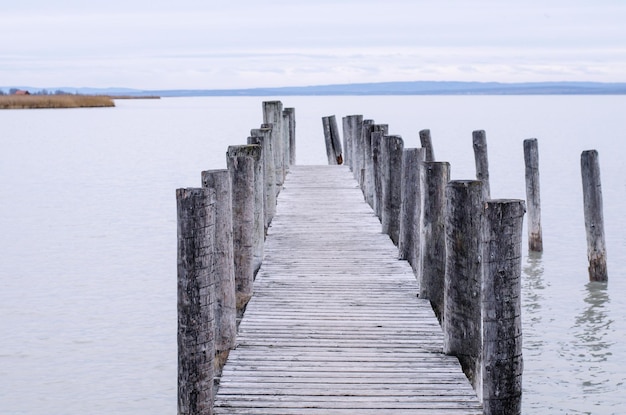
(335, 325)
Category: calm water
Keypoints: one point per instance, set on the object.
(88, 238)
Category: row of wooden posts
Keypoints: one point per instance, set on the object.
(464, 246)
(358, 158)
(221, 232)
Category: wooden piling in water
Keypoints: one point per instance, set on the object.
(533, 200)
(411, 205)
(332, 140)
(366, 169)
(263, 138)
(377, 173)
(273, 115)
(290, 125)
(594, 215)
(259, 215)
(241, 165)
(479, 141)
(427, 145)
(223, 265)
(436, 177)
(462, 321)
(352, 126)
(502, 323)
(391, 167)
(196, 308)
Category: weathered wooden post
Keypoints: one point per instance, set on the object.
(273, 115)
(226, 305)
(377, 173)
(479, 140)
(332, 139)
(196, 307)
(594, 215)
(352, 126)
(502, 323)
(462, 318)
(240, 160)
(263, 137)
(436, 177)
(427, 145)
(410, 205)
(348, 143)
(290, 125)
(533, 200)
(392, 147)
(366, 167)
(259, 215)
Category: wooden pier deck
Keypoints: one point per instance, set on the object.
(335, 325)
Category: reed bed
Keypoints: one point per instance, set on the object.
(54, 101)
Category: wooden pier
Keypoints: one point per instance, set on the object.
(335, 325)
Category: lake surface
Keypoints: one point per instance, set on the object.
(88, 238)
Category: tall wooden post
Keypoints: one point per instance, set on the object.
(263, 137)
(273, 115)
(226, 305)
(348, 142)
(594, 216)
(365, 179)
(332, 139)
(256, 153)
(479, 140)
(436, 177)
(290, 125)
(502, 323)
(427, 145)
(462, 321)
(352, 126)
(410, 205)
(392, 147)
(533, 200)
(377, 173)
(196, 297)
(241, 162)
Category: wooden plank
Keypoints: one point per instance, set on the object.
(335, 325)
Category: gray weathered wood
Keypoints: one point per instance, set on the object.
(502, 323)
(479, 141)
(427, 145)
(366, 143)
(273, 115)
(259, 215)
(290, 126)
(436, 177)
(391, 167)
(352, 126)
(594, 216)
(533, 199)
(223, 265)
(240, 161)
(462, 321)
(377, 173)
(263, 137)
(410, 205)
(332, 140)
(196, 296)
(335, 326)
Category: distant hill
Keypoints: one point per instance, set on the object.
(382, 88)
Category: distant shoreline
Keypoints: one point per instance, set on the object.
(361, 89)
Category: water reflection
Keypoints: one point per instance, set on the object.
(593, 324)
(532, 288)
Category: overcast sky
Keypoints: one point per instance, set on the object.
(165, 44)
